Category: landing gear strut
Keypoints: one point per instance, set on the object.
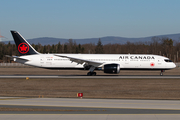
(91, 73)
(161, 74)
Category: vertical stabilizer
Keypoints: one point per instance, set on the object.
(23, 47)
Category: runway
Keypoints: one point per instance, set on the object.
(80, 109)
(75, 108)
(96, 77)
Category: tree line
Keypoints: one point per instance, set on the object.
(157, 46)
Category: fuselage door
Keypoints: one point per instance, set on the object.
(42, 61)
(159, 61)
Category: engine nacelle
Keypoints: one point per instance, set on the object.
(112, 68)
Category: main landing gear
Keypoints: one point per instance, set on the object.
(91, 73)
(161, 74)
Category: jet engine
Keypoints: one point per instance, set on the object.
(112, 68)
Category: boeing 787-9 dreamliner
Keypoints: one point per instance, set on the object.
(109, 63)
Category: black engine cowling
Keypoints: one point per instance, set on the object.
(112, 68)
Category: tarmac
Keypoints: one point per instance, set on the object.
(88, 109)
(76, 108)
(90, 77)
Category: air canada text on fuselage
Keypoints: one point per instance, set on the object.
(136, 57)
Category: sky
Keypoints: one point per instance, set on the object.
(79, 19)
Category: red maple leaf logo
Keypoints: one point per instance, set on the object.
(23, 48)
(152, 64)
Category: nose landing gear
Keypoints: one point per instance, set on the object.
(161, 74)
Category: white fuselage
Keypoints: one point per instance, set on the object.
(126, 61)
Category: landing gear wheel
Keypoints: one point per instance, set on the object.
(161, 74)
(91, 74)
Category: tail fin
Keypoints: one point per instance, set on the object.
(24, 48)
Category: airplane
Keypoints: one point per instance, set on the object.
(109, 63)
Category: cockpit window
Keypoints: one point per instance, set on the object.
(167, 60)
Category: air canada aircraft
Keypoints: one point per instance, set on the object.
(109, 63)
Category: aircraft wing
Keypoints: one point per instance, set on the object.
(81, 61)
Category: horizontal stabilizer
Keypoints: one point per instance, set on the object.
(16, 58)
